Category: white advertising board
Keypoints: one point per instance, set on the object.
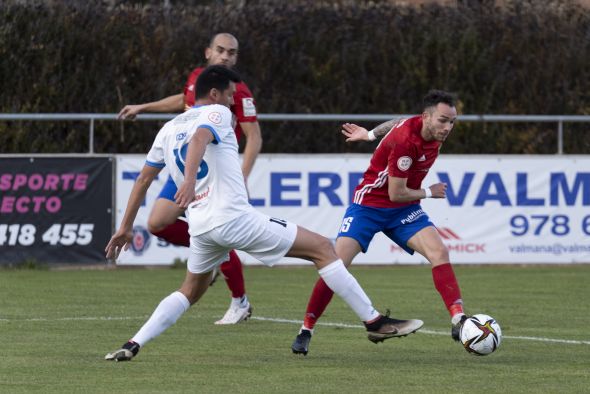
(499, 209)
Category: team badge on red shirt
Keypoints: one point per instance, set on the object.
(404, 163)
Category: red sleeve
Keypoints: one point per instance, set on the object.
(244, 104)
(400, 159)
(189, 88)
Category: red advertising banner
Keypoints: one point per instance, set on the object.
(55, 210)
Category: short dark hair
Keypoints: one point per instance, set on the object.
(435, 97)
(214, 77)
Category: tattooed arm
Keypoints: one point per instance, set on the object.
(353, 132)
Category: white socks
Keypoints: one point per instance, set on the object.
(457, 318)
(335, 275)
(239, 302)
(306, 329)
(165, 315)
(345, 285)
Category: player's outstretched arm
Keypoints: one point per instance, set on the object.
(121, 239)
(173, 103)
(352, 132)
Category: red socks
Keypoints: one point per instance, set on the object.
(319, 300)
(177, 234)
(233, 274)
(446, 284)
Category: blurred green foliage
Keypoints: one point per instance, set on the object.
(301, 56)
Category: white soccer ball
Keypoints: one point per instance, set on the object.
(481, 334)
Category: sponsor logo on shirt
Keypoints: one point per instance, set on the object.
(422, 158)
(191, 88)
(404, 163)
(200, 199)
(200, 196)
(249, 107)
(215, 117)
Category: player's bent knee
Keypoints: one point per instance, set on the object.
(195, 285)
(156, 225)
(154, 228)
(325, 249)
(164, 213)
(158, 222)
(439, 255)
(312, 246)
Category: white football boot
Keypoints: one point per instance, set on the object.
(236, 314)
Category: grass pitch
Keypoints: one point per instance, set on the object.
(56, 327)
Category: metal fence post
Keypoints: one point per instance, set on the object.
(91, 137)
(560, 137)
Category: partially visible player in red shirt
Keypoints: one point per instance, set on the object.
(388, 200)
(164, 220)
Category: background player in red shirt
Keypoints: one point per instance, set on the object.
(164, 221)
(388, 200)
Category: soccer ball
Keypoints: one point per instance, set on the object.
(481, 334)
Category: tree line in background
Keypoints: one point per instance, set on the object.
(301, 56)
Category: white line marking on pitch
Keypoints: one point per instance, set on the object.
(289, 321)
(342, 325)
(88, 318)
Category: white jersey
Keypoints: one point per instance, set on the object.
(220, 192)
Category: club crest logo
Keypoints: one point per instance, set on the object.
(404, 163)
(141, 240)
(215, 117)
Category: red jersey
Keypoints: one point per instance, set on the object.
(403, 153)
(244, 108)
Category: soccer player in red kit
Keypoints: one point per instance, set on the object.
(388, 200)
(165, 219)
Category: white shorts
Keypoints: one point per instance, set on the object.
(264, 238)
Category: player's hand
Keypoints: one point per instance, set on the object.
(185, 194)
(129, 112)
(354, 132)
(119, 241)
(439, 190)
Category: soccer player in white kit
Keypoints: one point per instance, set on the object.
(199, 148)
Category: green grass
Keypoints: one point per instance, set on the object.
(55, 331)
